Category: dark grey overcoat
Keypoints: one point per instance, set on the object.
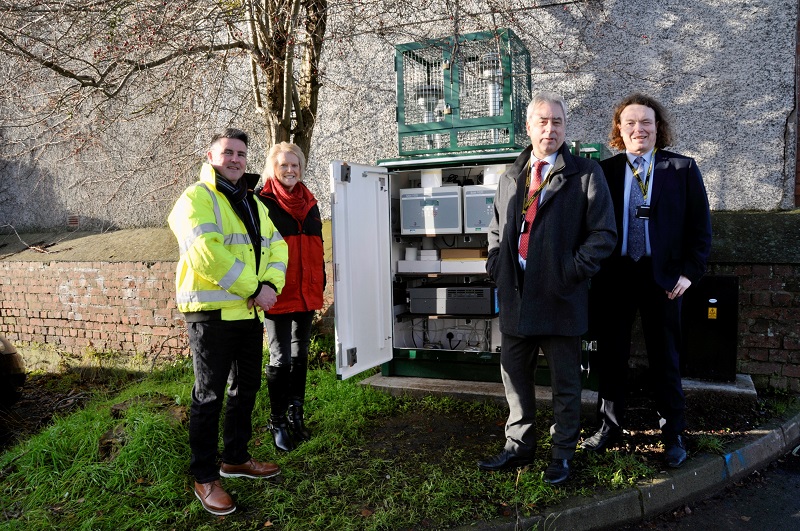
(573, 231)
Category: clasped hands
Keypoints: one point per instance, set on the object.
(265, 299)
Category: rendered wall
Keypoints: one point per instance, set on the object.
(726, 69)
(733, 102)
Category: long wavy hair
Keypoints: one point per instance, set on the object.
(664, 135)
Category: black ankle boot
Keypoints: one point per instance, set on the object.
(296, 422)
(279, 427)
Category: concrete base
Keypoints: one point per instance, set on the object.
(704, 396)
(741, 389)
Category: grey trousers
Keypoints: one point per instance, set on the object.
(518, 368)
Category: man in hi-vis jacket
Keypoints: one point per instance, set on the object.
(232, 267)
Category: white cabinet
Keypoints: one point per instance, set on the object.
(410, 284)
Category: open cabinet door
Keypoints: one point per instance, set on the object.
(361, 234)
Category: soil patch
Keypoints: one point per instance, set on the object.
(421, 435)
(426, 435)
(46, 396)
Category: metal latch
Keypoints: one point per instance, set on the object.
(352, 357)
(345, 173)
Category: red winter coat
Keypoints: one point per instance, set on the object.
(305, 272)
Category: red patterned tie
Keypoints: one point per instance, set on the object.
(534, 206)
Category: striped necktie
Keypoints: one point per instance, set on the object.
(530, 214)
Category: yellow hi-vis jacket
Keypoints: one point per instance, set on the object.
(217, 266)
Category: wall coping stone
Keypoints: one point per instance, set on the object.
(755, 237)
(128, 245)
(737, 237)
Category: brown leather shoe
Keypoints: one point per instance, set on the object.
(251, 469)
(214, 498)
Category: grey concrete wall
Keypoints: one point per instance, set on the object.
(725, 69)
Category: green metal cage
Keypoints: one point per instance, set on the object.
(461, 94)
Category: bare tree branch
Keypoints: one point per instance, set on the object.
(110, 48)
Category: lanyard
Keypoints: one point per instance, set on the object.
(535, 195)
(643, 186)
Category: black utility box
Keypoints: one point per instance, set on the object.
(461, 299)
(710, 314)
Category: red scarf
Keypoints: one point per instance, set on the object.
(297, 202)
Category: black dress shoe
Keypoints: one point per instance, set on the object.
(675, 454)
(557, 472)
(505, 460)
(601, 441)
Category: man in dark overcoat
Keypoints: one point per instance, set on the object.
(553, 224)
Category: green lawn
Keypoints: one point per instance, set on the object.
(64, 479)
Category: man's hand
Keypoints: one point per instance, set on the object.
(680, 288)
(265, 300)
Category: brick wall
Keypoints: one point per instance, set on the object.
(129, 308)
(769, 323)
(71, 310)
(125, 306)
(77, 308)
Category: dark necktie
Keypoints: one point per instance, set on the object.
(636, 239)
(530, 214)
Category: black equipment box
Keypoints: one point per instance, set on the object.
(462, 299)
(710, 321)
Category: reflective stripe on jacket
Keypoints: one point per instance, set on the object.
(217, 266)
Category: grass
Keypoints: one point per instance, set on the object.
(709, 444)
(780, 403)
(138, 477)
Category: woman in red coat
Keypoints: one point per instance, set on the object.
(294, 212)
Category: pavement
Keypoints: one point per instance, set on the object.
(701, 476)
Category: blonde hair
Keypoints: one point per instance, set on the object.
(272, 159)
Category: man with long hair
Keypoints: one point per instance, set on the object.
(664, 228)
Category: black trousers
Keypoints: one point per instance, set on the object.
(223, 353)
(289, 336)
(620, 289)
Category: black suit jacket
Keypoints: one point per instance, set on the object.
(680, 221)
